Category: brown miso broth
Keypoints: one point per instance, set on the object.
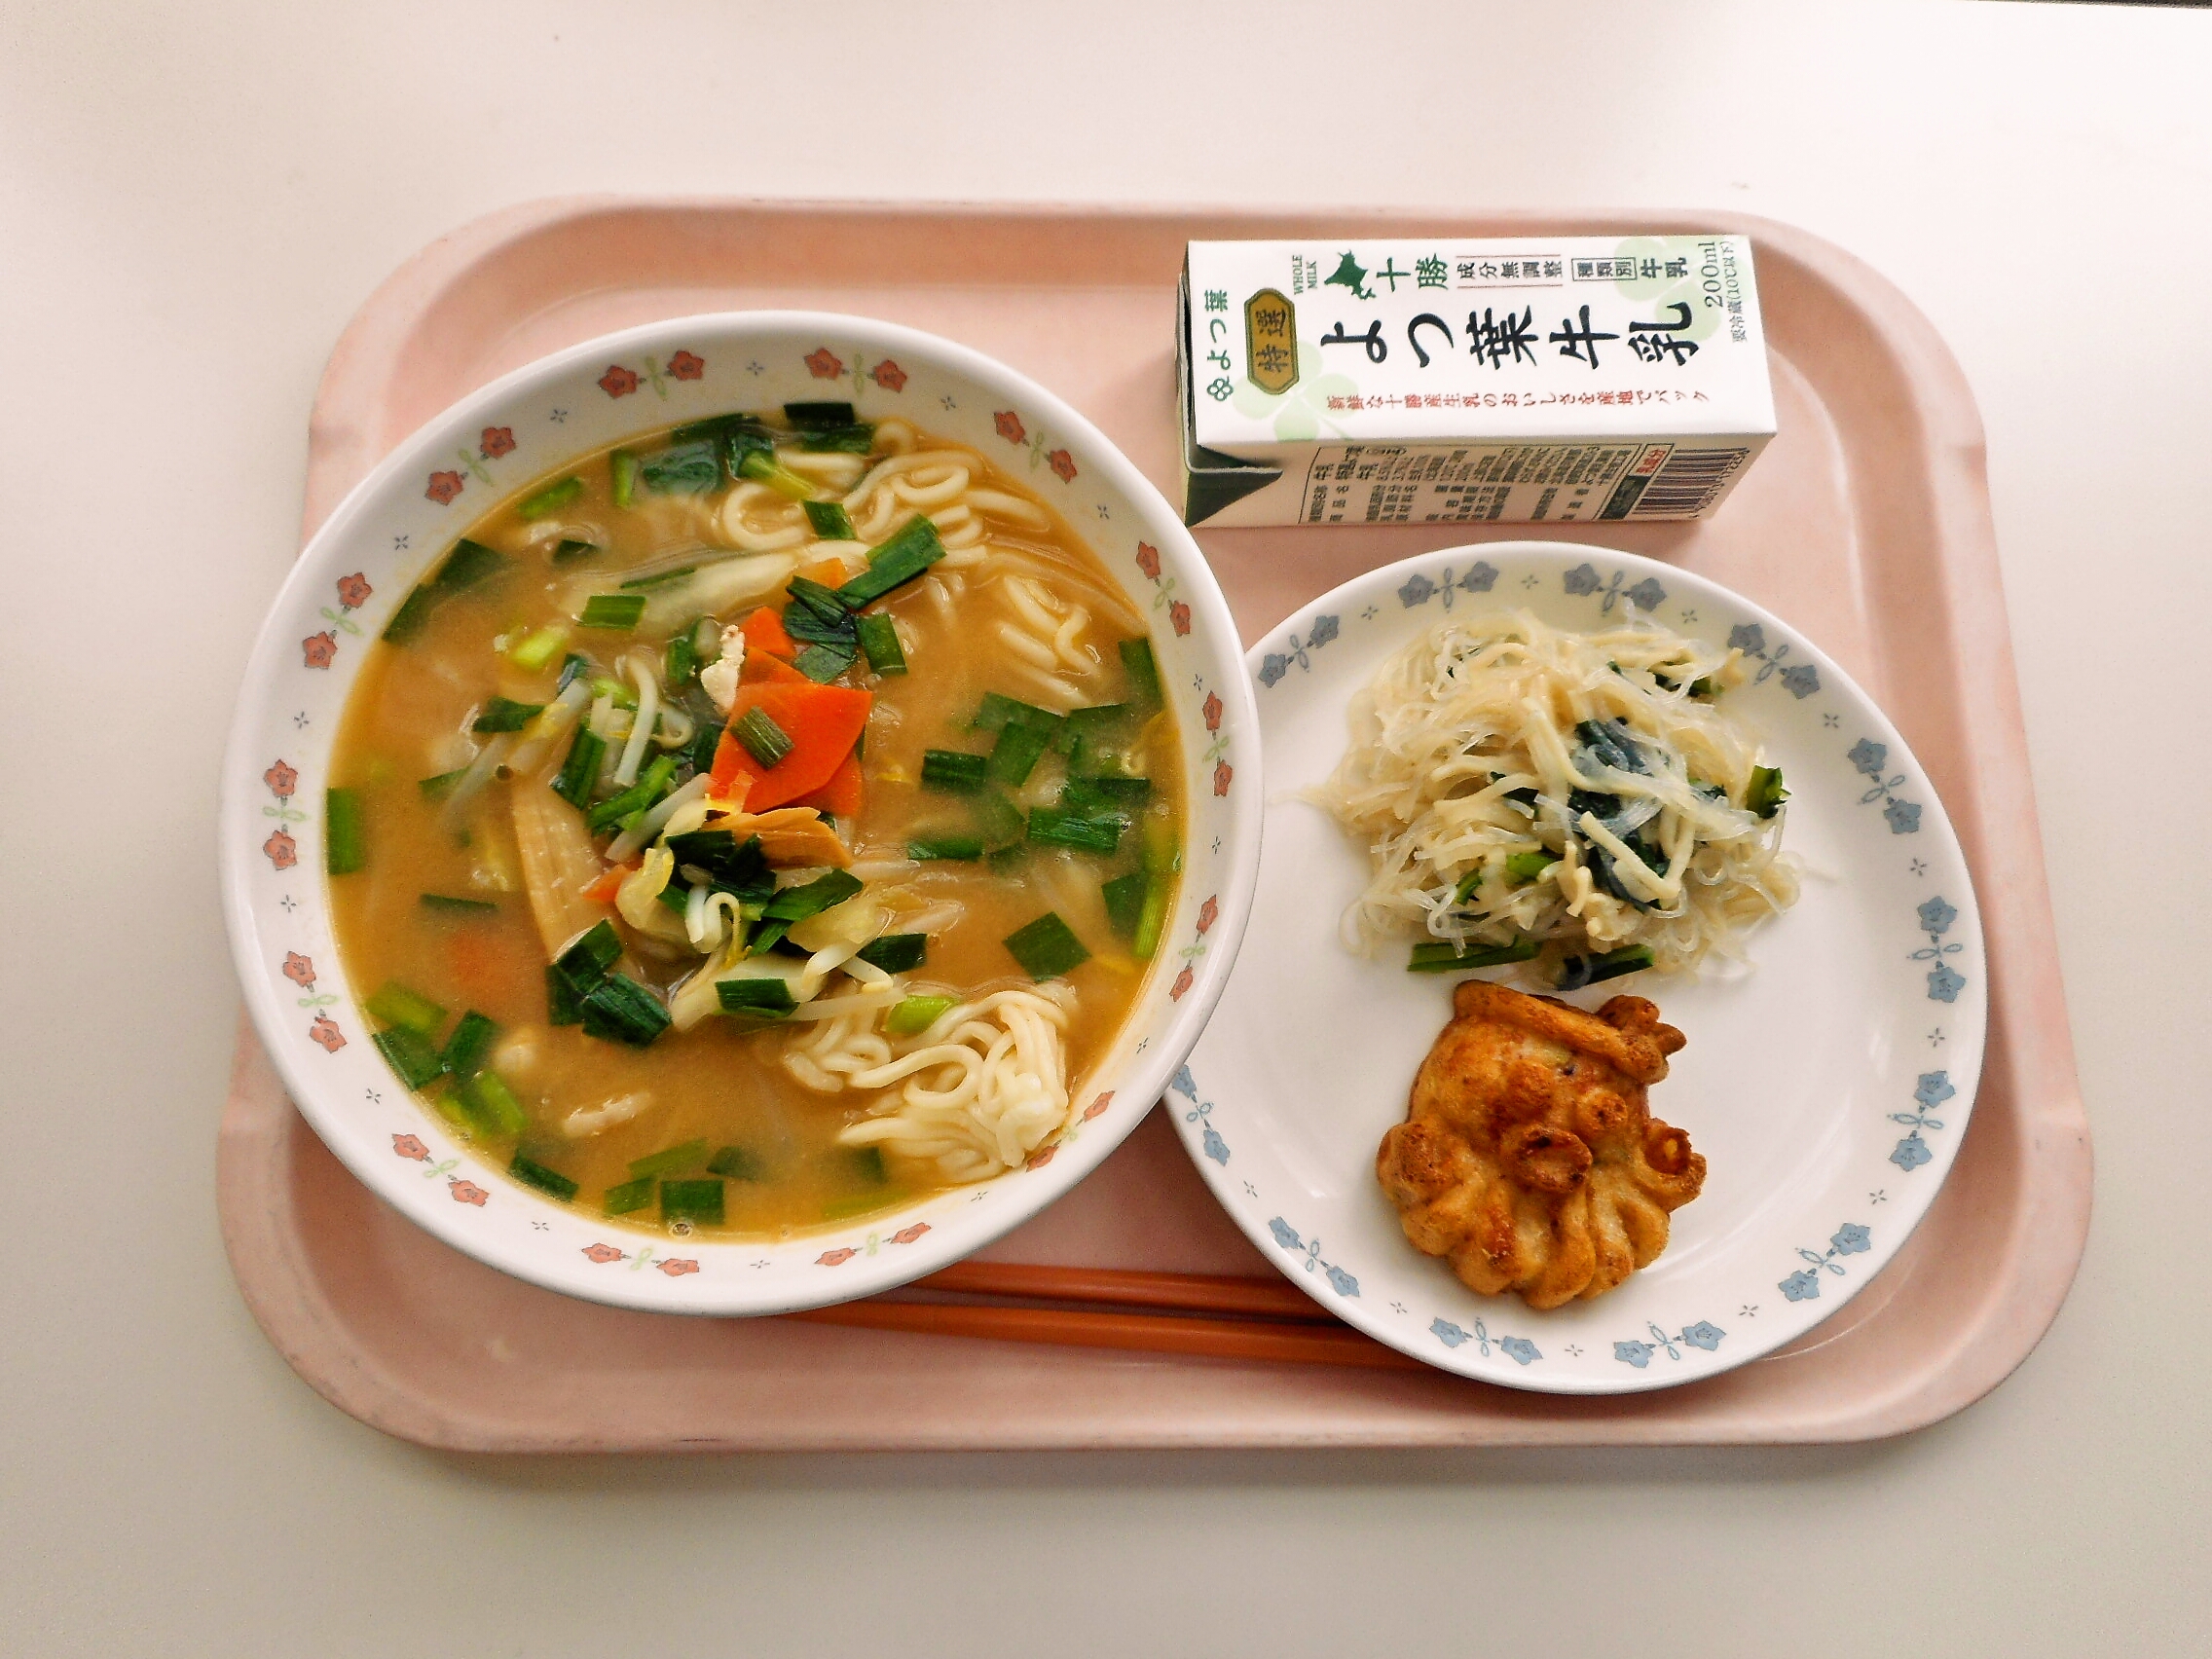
(730, 1065)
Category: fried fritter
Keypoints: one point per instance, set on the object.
(1529, 1157)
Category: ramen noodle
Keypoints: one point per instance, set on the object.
(757, 826)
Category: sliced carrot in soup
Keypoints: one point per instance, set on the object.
(761, 669)
(845, 794)
(763, 631)
(822, 723)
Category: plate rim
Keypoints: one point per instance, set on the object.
(1457, 1355)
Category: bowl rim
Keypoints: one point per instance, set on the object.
(1143, 1077)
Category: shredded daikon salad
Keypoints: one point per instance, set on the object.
(1581, 803)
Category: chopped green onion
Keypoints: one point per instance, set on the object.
(471, 1040)
(1579, 971)
(803, 417)
(1096, 725)
(537, 650)
(586, 961)
(504, 713)
(446, 904)
(763, 739)
(1138, 663)
(673, 897)
(564, 1004)
(742, 439)
(682, 469)
(997, 818)
(1765, 794)
(550, 500)
(621, 1010)
(618, 611)
(819, 615)
(825, 892)
(397, 1005)
(1125, 902)
(704, 745)
(1016, 754)
(689, 1156)
(491, 1105)
(1101, 797)
(570, 547)
(879, 637)
(856, 437)
(823, 663)
(580, 772)
(1046, 949)
(736, 1164)
(766, 936)
(699, 1201)
(532, 1173)
(867, 1164)
(740, 868)
(651, 786)
(1003, 860)
(574, 667)
(681, 662)
(1060, 827)
(659, 579)
(437, 788)
(715, 427)
(1442, 956)
(623, 693)
(345, 831)
(831, 521)
(913, 1015)
(759, 464)
(410, 1055)
(997, 712)
(1523, 867)
(954, 773)
(951, 849)
(411, 618)
(630, 1195)
(762, 998)
(819, 620)
(896, 953)
(1163, 861)
(469, 564)
(911, 551)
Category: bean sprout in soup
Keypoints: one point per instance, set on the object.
(757, 826)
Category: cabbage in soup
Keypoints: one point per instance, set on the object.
(757, 826)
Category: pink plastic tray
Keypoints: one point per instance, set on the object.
(1866, 524)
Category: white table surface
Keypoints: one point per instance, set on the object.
(191, 202)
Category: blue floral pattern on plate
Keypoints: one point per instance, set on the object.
(1664, 1350)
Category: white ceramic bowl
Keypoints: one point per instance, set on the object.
(406, 514)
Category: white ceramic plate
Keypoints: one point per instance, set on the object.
(1827, 1087)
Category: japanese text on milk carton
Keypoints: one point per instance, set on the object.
(1557, 379)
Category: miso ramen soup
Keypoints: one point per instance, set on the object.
(756, 826)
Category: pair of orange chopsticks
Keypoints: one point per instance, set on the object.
(1262, 1319)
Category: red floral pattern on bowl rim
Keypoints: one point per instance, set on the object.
(500, 440)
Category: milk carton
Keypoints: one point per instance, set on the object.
(1545, 380)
